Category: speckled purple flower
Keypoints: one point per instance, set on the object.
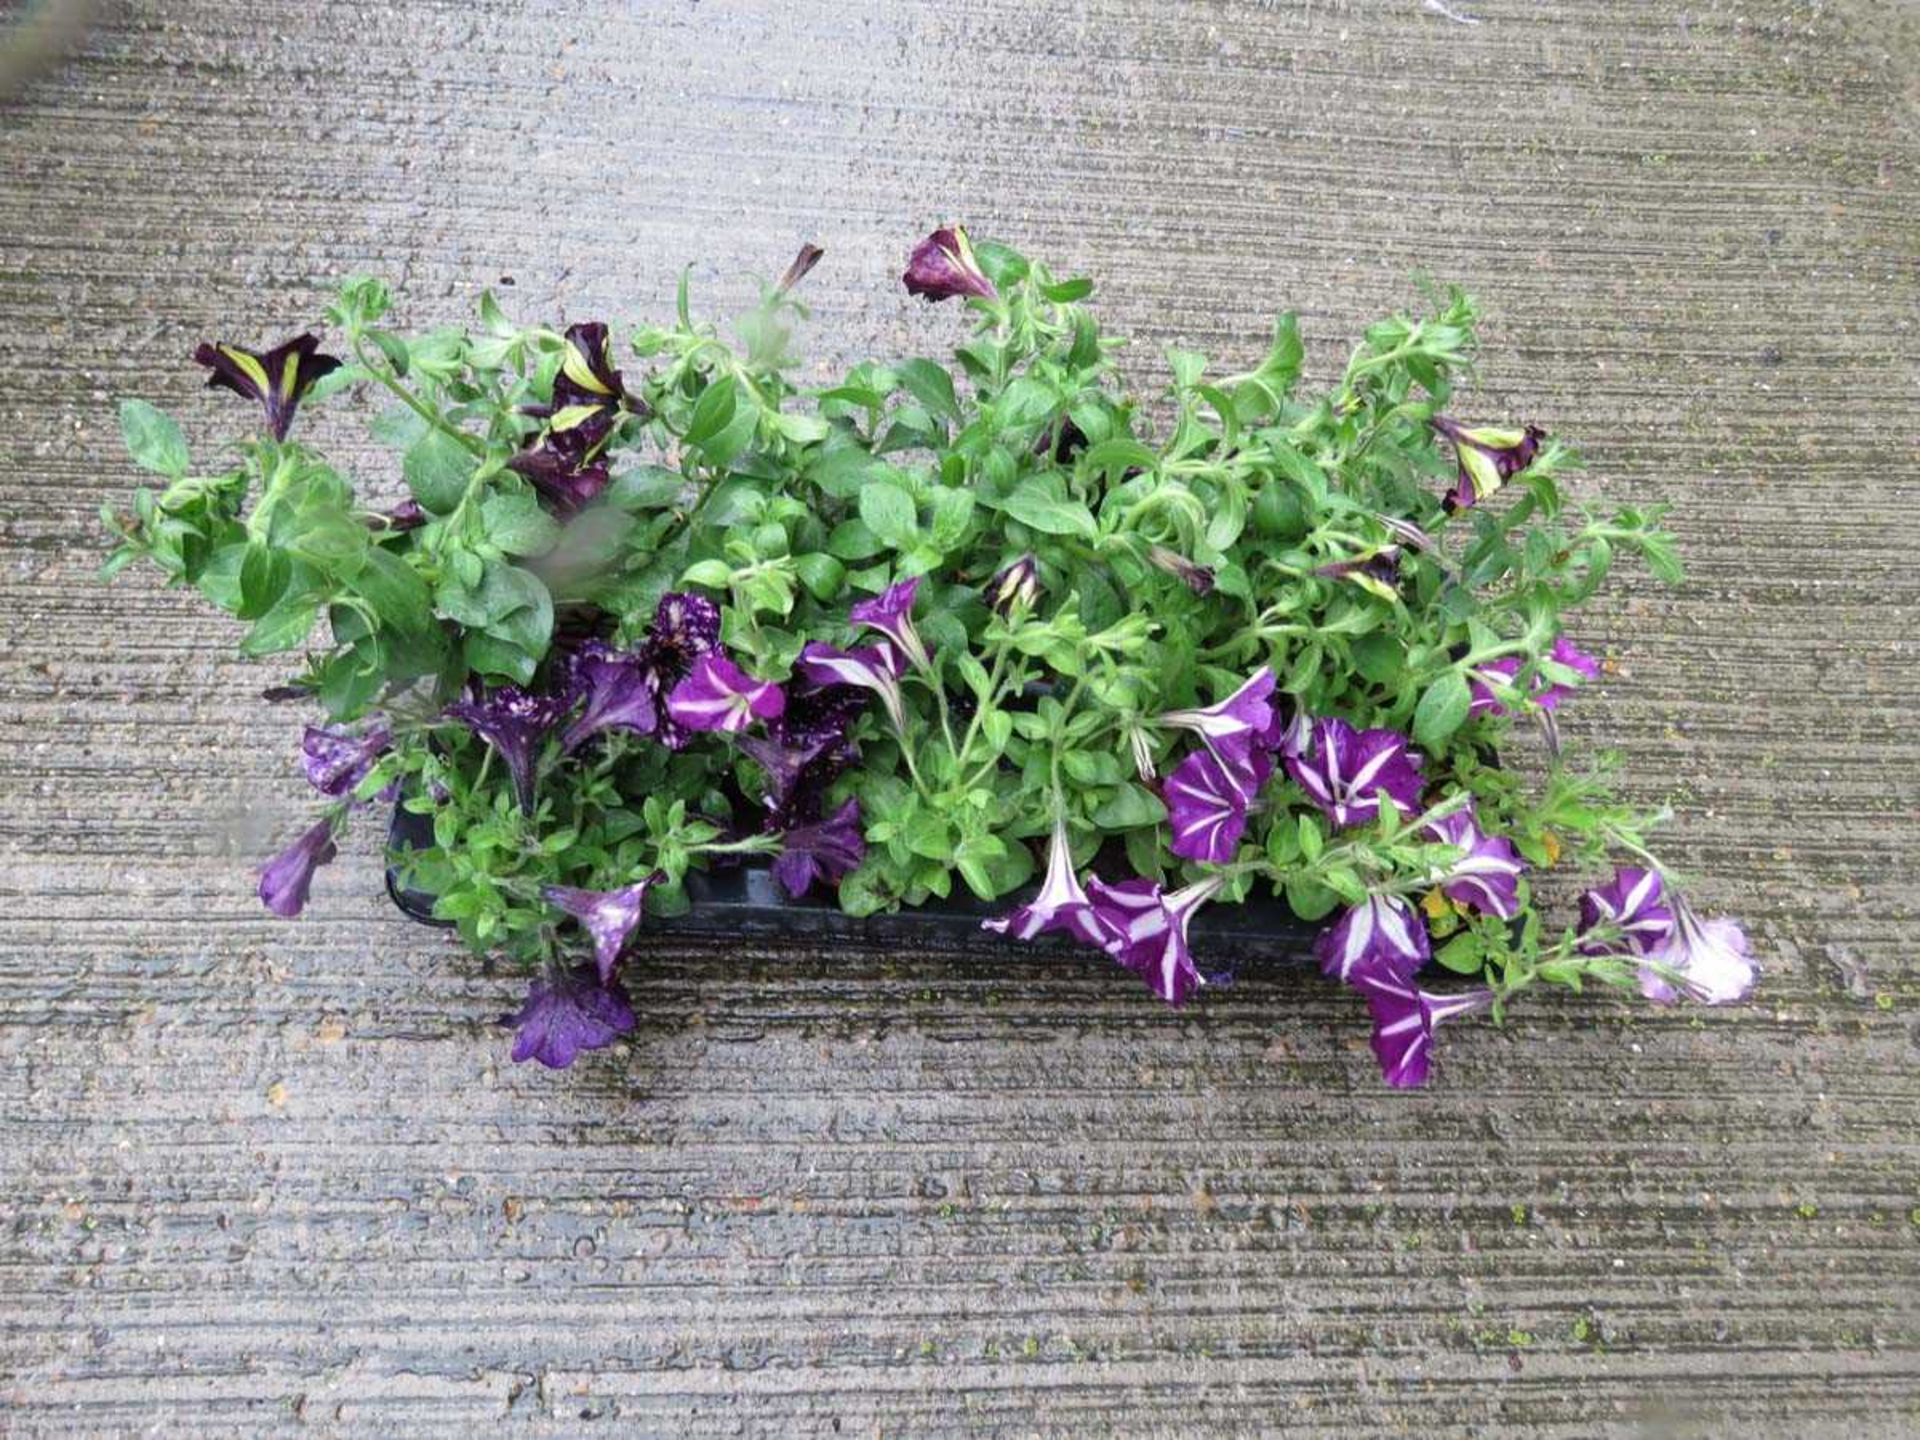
(1404, 1020)
(336, 761)
(1380, 935)
(568, 1011)
(515, 722)
(788, 770)
(1061, 905)
(1146, 931)
(286, 879)
(1487, 874)
(608, 916)
(943, 265)
(1544, 693)
(891, 614)
(277, 379)
(1348, 772)
(619, 691)
(1488, 457)
(824, 851)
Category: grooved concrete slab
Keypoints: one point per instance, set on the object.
(261, 1177)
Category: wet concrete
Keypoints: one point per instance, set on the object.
(261, 1177)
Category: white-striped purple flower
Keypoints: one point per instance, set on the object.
(891, 613)
(1382, 935)
(569, 1010)
(1487, 874)
(1348, 772)
(1207, 806)
(1544, 693)
(1404, 1019)
(286, 879)
(619, 689)
(870, 667)
(1708, 960)
(608, 916)
(336, 761)
(1633, 906)
(1061, 904)
(718, 695)
(1235, 724)
(823, 851)
(1146, 931)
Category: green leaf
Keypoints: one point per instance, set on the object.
(153, 440)
(437, 468)
(1442, 709)
(952, 513)
(823, 575)
(283, 627)
(932, 386)
(646, 487)
(515, 523)
(264, 573)
(889, 512)
(712, 412)
(1464, 954)
(710, 574)
(1128, 806)
(395, 591)
(1042, 505)
(490, 655)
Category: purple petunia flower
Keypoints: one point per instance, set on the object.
(823, 851)
(1197, 578)
(277, 379)
(1017, 586)
(1382, 935)
(405, 516)
(685, 627)
(564, 482)
(1487, 874)
(609, 916)
(567, 1011)
(718, 695)
(1377, 571)
(871, 667)
(1348, 772)
(892, 615)
(1632, 903)
(1146, 931)
(514, 721)
(786, 768)
(943, 265)
(1488, 457)
(1709, 959)
(336, 761)
(1207, 806)
(810, 255)
(1234, 725)
(1545, 693)
(620, 693)
(1404, 1019)
(286, 879)
(1061, 904)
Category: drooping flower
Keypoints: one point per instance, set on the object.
(870, 667)
(608, 916)
(718, 695)
(286, 879)
(1207, 805)
(892, 615)
(1146, 931)
(565, 482)
(823, 851)
(619, 690)
(570, 1010)
(784, 766)
(943, 265)
(338, 760)
(514, 721)
(1709, 959)
(1488, 457)
(1233, 725)
(1404, 1019)
(1061, 905)
(1197, 578)
(809, 256)
(1544, 693)
(1375, 570)
(1380, 935)
(277, 379)
(1348, 772)
(1632, 904)
(1017, 586)
(1487, 874)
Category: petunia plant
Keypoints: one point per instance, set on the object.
(639, 603)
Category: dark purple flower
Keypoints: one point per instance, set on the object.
(943, 265)
(871, 667)
(1545, 693)
(1061, 904)
(1380, 935)
(1488, 457)
(1207, 807)
(566, 483)
(514, 721)
(803, 263)
(1404, 1019)
(785, 766)
(1348, 772)
(619, 688)
(568, 1011)
(286, 879)
(718, 695)
(1232, 726)
(405, 516)
(1146, 931)
(1487, 874)
(1377, 571)
(892, 615)
(685, 627)
(1197, 578)
(338, 760)
(277, 379)
(1708, 960)
(824, 851)
(1631, 904)
(609, 916)
(1016, 586)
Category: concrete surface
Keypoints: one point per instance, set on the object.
(259, 1177)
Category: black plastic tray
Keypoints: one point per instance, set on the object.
(744, 902)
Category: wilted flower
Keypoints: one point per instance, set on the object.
(871, 667)
(1545, 693)
(1207, 807)
(609, 916)
(1632, 904)
(286, 879)
(1347, 772)
(1708, 959)
(1487, 874)
(515, 721)
(1061, 904)
(277, 379)
(569, 1010)
(1380, 935)
(1233, 725)
(1377, 570)
(1016, 586)
(620, 693)
(824, 851)
(565, 482)
(1197, 578)
(1404, 1019)
(718, 695)
(943, 265)
(1146, 931)
(803, 263)
(1488, 456)
(338, 760)
(892, 615)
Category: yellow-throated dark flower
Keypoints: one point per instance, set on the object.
(1488, 456)
(588, 395)
(943, 265)
(277, 378)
